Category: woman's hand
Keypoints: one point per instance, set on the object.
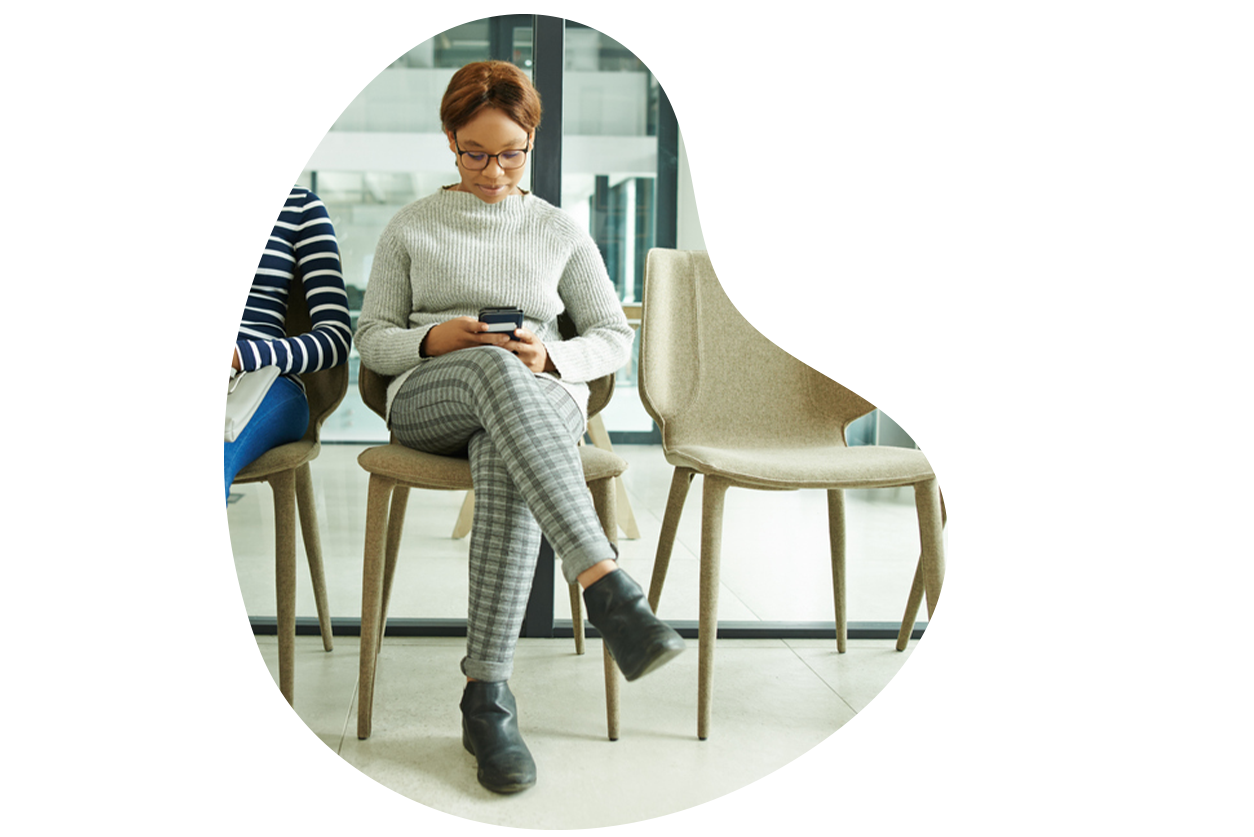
(531, 351)
(460, 333)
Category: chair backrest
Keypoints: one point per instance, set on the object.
(325, 389)
(373, 387)
(709, 377)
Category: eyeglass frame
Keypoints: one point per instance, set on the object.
(488, 157)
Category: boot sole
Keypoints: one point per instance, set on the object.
(668, 652)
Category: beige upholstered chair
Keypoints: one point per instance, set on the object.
(394, 469)
(740, 411)
(286, 468)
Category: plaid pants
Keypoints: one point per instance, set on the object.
(519, 431)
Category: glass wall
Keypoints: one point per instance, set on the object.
(385, 151)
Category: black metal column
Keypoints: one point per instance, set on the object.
(501, 29)
(549, 56)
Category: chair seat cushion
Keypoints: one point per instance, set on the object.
(283, 458)
(600, 464)
(416, 468)
(872, 466)
(428, 470)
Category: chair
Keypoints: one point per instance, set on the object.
(755, 418)
(394, 469)
(286, 469)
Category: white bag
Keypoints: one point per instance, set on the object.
(244, 394)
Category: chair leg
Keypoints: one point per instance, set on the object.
(912, 607)
(613, 680)
(396, 524)
(927, 502)
(714, 492)
(680, 482)
(576, 617)
(465, 517)
(372, 575)
(836, 534)
(604, 500)
(929, 572)
(313, 549)
(284, 488)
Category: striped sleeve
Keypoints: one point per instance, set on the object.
(303, 244)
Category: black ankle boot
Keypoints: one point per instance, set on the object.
(490, 733)
(638, 640)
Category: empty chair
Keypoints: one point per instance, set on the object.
(755, 417)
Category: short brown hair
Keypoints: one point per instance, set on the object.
(497, 84)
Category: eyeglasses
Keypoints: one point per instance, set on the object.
(515, 158)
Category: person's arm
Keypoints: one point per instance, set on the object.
(604, 342)
(316, 260)
(386, 343)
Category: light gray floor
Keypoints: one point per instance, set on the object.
(800, 734)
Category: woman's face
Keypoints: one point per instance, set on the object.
(490, 132)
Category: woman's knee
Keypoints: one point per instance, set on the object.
(498, 366)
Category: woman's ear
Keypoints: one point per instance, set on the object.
(452, 142)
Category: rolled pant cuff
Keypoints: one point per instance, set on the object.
(573, 565)
(487, 672)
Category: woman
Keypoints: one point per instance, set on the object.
(514, 404)
(302, 244)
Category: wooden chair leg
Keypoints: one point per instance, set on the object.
(912, 607)
(714, 492)
(283, 486)
(680, 482)
(928, 504)
(305, 505)
(576, 617)
(613, 682)
(631, 529)
(929, 572)
(465, 517)
(603, 498)
(836, 534)
(396, 525)
(372, 582)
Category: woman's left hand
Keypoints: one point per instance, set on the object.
(530, 351)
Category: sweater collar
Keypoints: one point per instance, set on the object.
(466, 202)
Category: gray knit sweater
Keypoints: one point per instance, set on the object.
(450, 254)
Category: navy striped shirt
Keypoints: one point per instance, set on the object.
(302, 244)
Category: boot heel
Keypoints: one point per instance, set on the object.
(638, 641)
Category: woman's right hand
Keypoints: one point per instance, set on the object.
(460, 333)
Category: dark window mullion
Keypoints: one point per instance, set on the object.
(549, 59)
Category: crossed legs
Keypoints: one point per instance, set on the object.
(519, 431)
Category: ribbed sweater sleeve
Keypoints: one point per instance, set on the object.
(604, 342)
(450, 254)
(385, 341)
(303, 244)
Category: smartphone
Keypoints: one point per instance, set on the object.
(502, 320)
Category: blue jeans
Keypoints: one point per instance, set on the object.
(282, 417)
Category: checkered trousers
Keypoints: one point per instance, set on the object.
(519, 430)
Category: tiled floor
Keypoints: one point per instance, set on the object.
(773, 699)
